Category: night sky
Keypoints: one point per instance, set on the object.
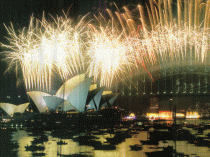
(19, 12)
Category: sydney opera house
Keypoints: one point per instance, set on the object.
(8, 110)
(76, 97)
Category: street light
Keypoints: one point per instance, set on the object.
(170, 100)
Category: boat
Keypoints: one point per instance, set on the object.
(41, 139)
(166, 152)
(61, 143)
(150, 142)
(133, 132)
(38, 154)
(119, 137)
(36, 141)
(104, 147)
(34, 148)
(202, 141)
(115, 140)
(44, 138)
(136, 147)
(84, 137)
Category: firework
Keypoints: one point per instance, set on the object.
(110, 56)
(167, 36)
(180, 39)
(45, 48)
(115, 46)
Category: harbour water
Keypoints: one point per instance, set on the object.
(52, 149)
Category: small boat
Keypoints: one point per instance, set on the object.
(38, 154)
(34, 148)
(133, 132)
(61, 143)
(118, 138)
(150, 142)
(202, 141)
(84, 138)
(36, 141)
(105, 147)
(166, 152)
(136, 147)
(41, 139)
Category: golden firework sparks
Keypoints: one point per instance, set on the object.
(110, 56)
(44, 48)
(132, 41)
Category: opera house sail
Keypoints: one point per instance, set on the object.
(77, 101)
(55, 103)
(78, 95)
(94, 98)
(107, 99)
(9, 109)
(38, 100)
(69, 85)
(21, 108)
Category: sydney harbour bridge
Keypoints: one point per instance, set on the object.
(187, 86)
(170, 81)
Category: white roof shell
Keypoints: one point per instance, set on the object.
(66, 106)
(111, 101)
(37, 98)
(69, 85)
(78, 95)
(21, 108)
(8, 108)
(97, 99)
(52, 102)
(75, 92)
(105, 93)
(104, 105)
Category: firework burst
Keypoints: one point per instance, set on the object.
(180, 39)
(167, 36)
(110, 56)
(45, 48)
(115, 46)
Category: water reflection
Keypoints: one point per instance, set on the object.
(93, 144)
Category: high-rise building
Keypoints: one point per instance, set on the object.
(154, 105)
